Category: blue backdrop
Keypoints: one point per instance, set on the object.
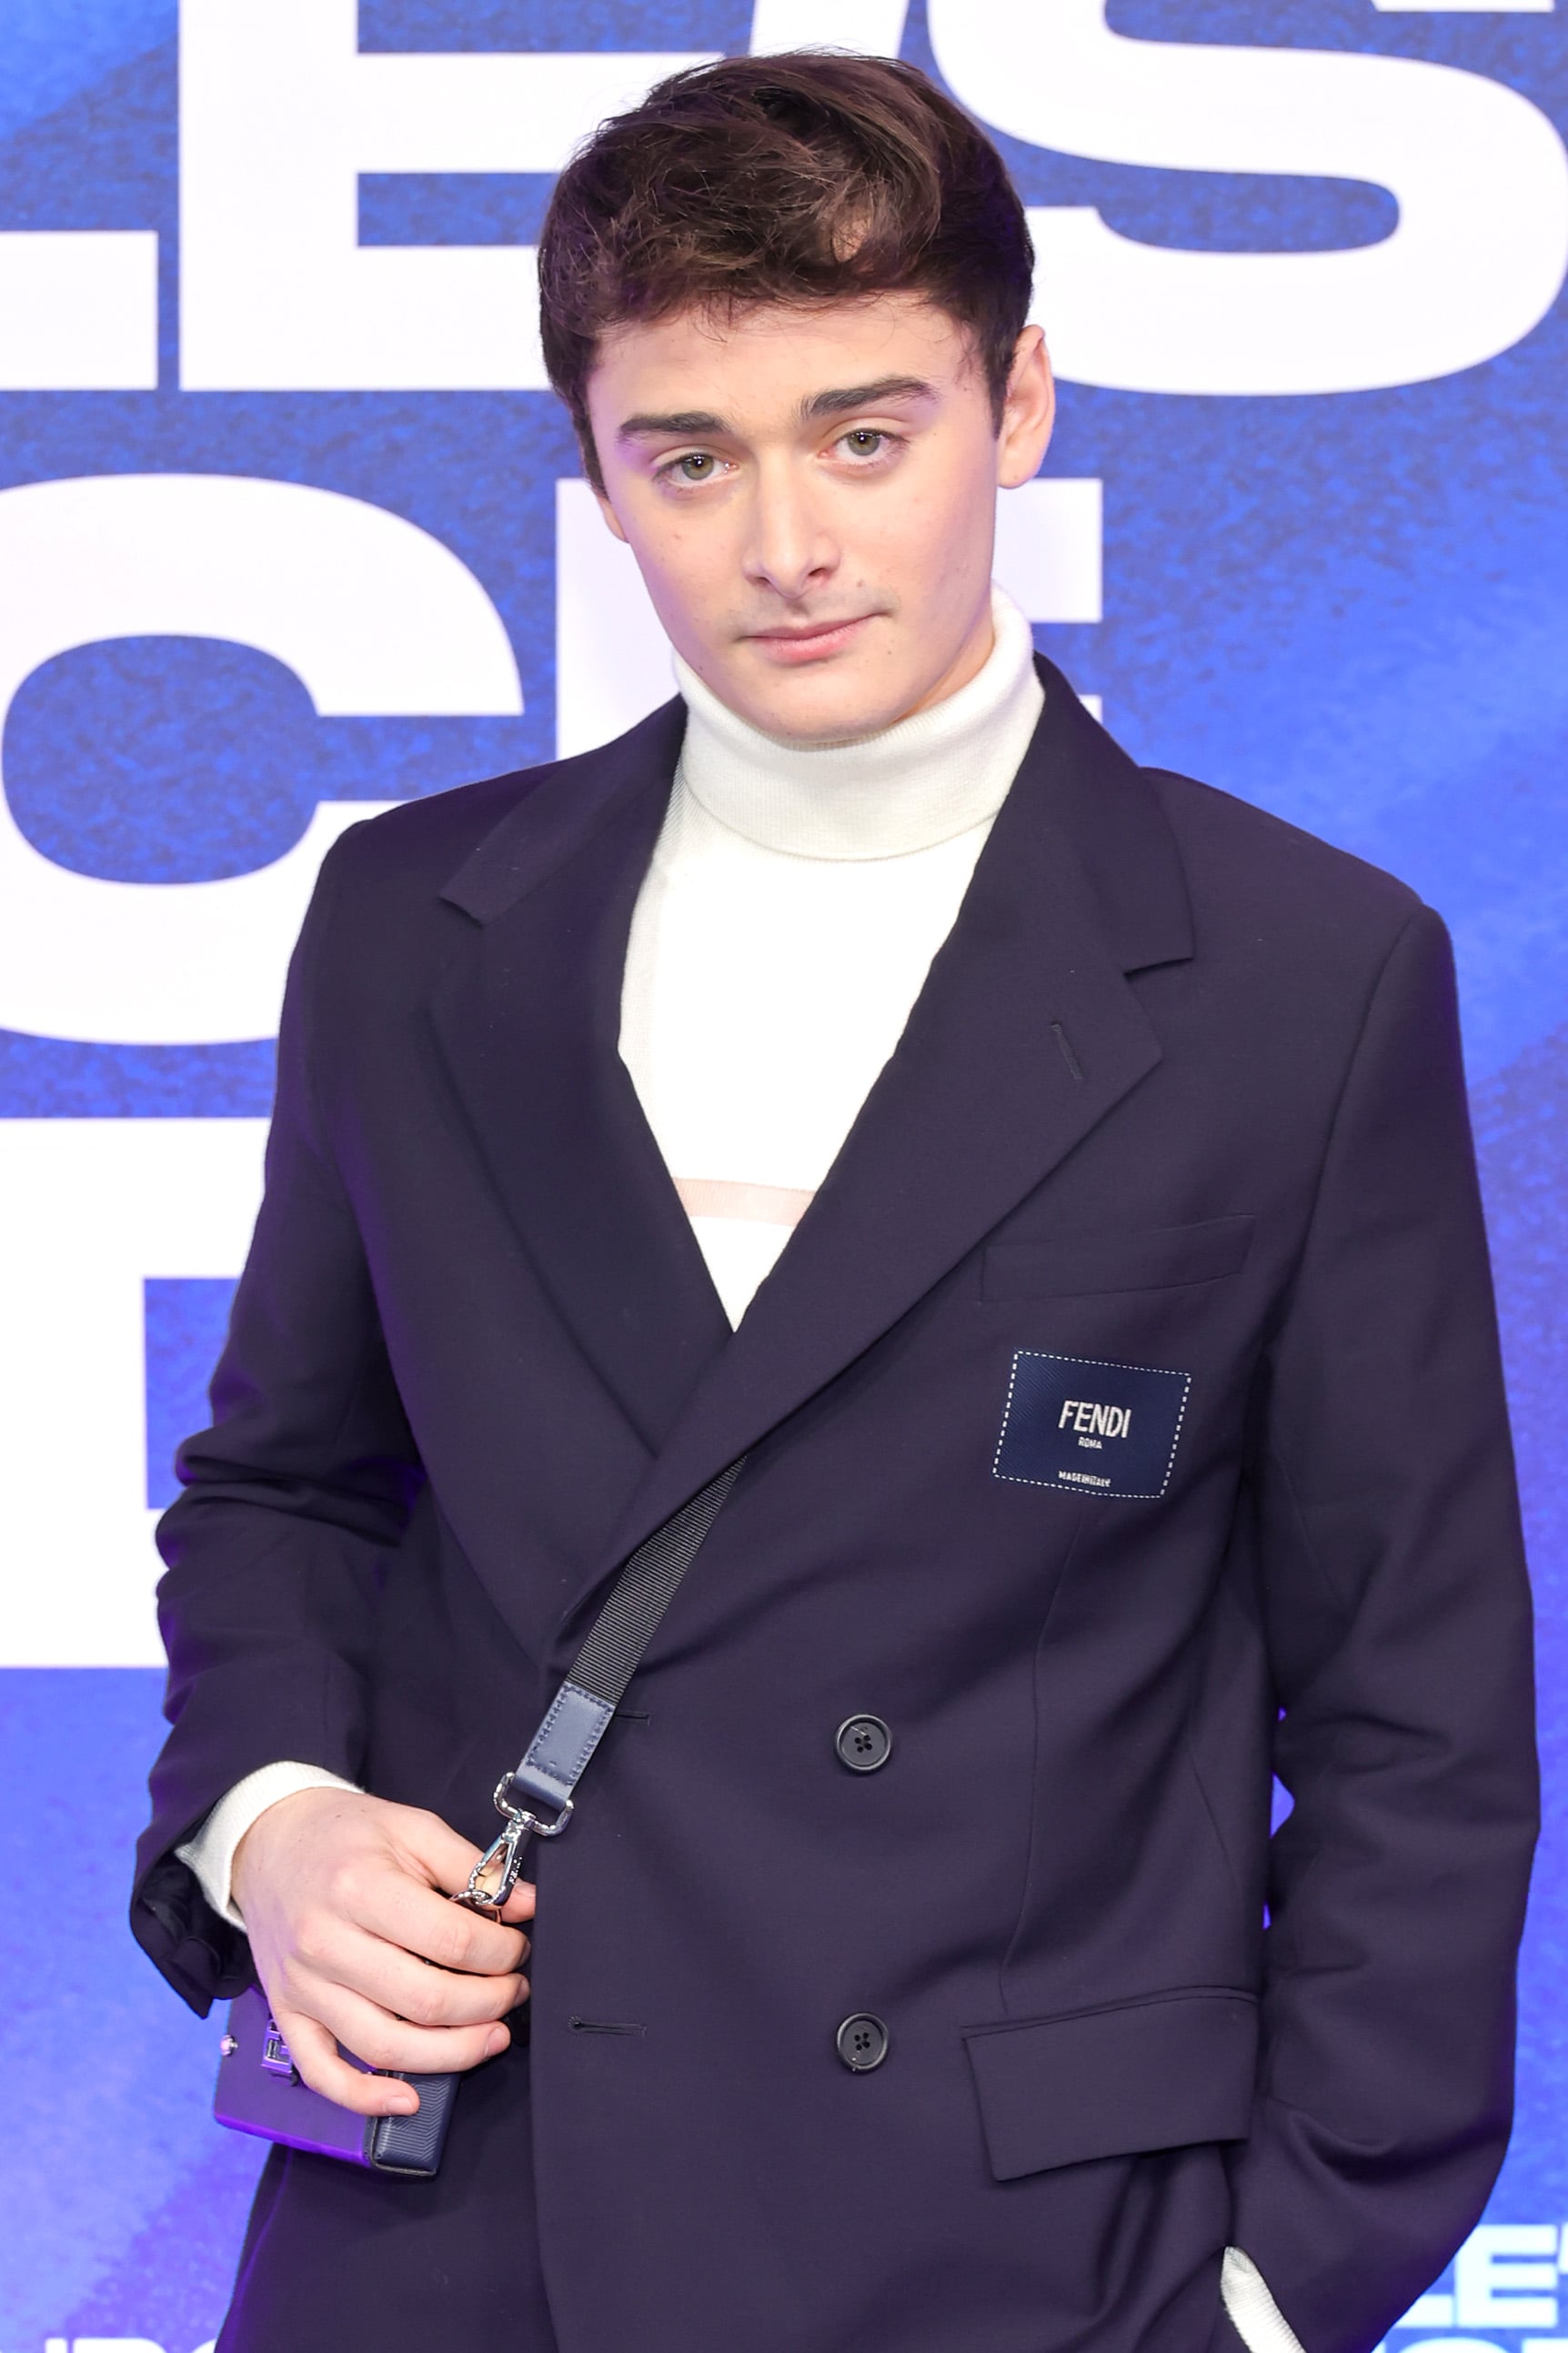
(282, 531)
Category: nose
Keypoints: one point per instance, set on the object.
(790, 549)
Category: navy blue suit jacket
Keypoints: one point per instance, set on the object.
(1124, 1422)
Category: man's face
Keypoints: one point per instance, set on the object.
(810, 494)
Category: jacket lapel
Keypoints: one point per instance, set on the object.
(528, 1021)
(1025, 1036)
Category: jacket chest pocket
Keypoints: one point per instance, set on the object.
(1116, 1338)
(1069, 1266)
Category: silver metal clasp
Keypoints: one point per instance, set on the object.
(275, 2056)
(495, 1874)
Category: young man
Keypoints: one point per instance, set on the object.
(1053, 1178)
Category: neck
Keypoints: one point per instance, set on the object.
(937, 774)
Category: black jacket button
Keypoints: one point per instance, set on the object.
(862, 2042)
(863, 1743)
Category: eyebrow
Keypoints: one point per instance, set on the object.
(838, 401)
(866, 396)
(678, 423)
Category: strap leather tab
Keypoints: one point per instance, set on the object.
(575, 1723)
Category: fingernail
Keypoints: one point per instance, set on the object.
(402, 2104)
(496, 2041)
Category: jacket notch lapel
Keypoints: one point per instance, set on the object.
(527, 1022)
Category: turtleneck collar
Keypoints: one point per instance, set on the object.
(923, 782)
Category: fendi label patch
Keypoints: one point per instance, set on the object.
(1091, 1429)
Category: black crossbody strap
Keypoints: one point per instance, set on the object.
(644, 1590)
(575, 1722)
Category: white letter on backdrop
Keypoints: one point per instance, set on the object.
(93, 1207)
(371, 613)
(278, 116)
(79, 311)
(1049, 543)
(611, 657)
(1477, 258)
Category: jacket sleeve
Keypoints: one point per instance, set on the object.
(1397, 1621)
(292, 1504)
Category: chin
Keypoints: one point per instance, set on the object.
(820, 709)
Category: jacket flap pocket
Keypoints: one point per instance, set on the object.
(1107, 2082)
(1061, 1264)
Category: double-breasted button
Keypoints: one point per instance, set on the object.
(862, 2042)
(863, 1743)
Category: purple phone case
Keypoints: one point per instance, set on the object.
(259, 2091)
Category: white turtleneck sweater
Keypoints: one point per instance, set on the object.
(784, 928)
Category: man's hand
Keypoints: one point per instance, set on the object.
(344, 1899)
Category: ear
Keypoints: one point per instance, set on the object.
(1028, 413)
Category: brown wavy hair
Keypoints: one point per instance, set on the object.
(804, 178)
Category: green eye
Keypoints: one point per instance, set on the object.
(695, 468)
(864, 440)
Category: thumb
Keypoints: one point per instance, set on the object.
(519, 1904)
(436, 1851)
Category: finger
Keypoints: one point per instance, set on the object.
(518, 1906)
(393, 1892)
(387, 1892)
(436, 1847)
(410, 1988)
(314, 2051)
(397, 1908)
(374, 2035)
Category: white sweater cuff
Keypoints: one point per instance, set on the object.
(1254, 2315)
(210, 1852)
